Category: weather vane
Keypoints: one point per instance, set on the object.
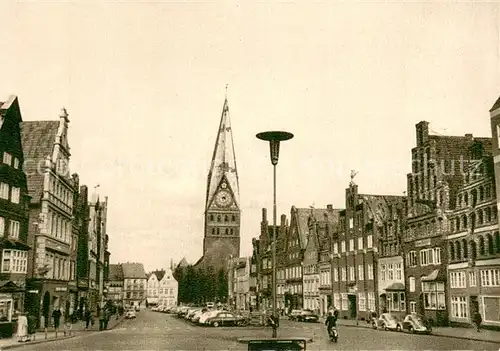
(226, 90)
(353, 174)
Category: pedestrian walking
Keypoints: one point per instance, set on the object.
(22, 328)
(31, 326)
(88, 317)
(102, 319)
(477, 319)
(56, 316)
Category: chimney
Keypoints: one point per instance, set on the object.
(283, 219)
(264, 215)
(329, 207)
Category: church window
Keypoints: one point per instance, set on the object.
(233, 218)
(218, 218)
(213, 231)
(218, 231)
(227, 231)
(232, 231)
(226, 218)
(211, 217)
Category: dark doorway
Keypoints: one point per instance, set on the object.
(352, 306)
(46, 308)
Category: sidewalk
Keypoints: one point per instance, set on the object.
(78, 329)
(458, 333)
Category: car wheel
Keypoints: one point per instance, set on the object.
(385, 328)
(410, 329)
(215, 324)
(398, 328)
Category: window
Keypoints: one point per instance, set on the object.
(352, 276)
(459, 307)
(360, 243)
(7, 158)
(345, 302)
(369, 271)
(412, 284)
(4, 191)
(361, 272)
(14, 229)
(413, 307)
(369, 240)
(390, 271)
(362, 301)
(411, 258)
(343, 273)
(457, 280)
(382, 272)
(342, 246)
(2, 226)
(16, 163)
(434, 296)
(396, 301)
(490, 277)
(472, 279)
(351, 245)
(14, 261)
(351, 223)
(336, 300)
(430, 256)
(15, 195)
(335, 248)
(371, 301)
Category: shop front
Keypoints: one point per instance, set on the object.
(42, 297)
(8, 293)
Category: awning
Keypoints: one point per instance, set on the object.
(434, 275)
(395, 287)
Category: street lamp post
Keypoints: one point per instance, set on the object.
(274, 138)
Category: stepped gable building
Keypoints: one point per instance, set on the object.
(51, 188)
(134, 284)
(438, 168)
(355, 252)
(14, 210)
(222, 208)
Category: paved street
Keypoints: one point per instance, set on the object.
(157, 331)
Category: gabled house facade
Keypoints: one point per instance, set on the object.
(310, 276)
(51, 188)
(134, 284)
(14, 211)
(114, 284)
(168, 290)
(153, 288)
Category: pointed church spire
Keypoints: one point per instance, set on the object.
(223, 160)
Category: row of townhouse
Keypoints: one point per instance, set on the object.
(54, 245)
(127, 284)
(434, 251)
(162, 288)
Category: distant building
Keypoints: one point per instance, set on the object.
(134, 284)
(154, 286)
(115, 284)
(168, 290)
(239, 283)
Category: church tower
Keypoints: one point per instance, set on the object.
(222, 206)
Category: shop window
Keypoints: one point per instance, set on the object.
(5, 310)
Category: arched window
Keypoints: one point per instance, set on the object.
(466, 199)
(226, 218)
(487, 211)
(473, 249)
(213, 231)
(233, 218)
(487, 192)
(227, 231)
(452, 251)
(459, 200)
(458, 252)
(480, 219)
(482, 249)
(481, 193)
(457, 224)
(494, 213)
(464, 220)
(465, 248)
(491, 249)
(211, 217)
(218, 231)
(218, 218)
(497, 241)
(474, 197)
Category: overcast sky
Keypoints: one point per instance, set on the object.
(144, 81)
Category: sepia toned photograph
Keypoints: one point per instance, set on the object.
(249, 175)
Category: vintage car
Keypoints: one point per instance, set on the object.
(207, 315)
(224, 318)
(389, 321)
(294, 314)
(414, 323)
(307, 316)
(130, 314)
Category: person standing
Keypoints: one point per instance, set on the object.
(477, 319)
(56, 316)
(102, 319)
(88, 317)
(22, 327)
(31, 326)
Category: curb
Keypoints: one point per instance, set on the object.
(13, 346)
(434, 334)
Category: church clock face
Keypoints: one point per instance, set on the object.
(223, 198)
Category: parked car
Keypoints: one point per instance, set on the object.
(196, 317)
(294, 314)
(224, 318)
(414, 323)
(207, 315)
(130, 314)
(389, 321)
(307, 316)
